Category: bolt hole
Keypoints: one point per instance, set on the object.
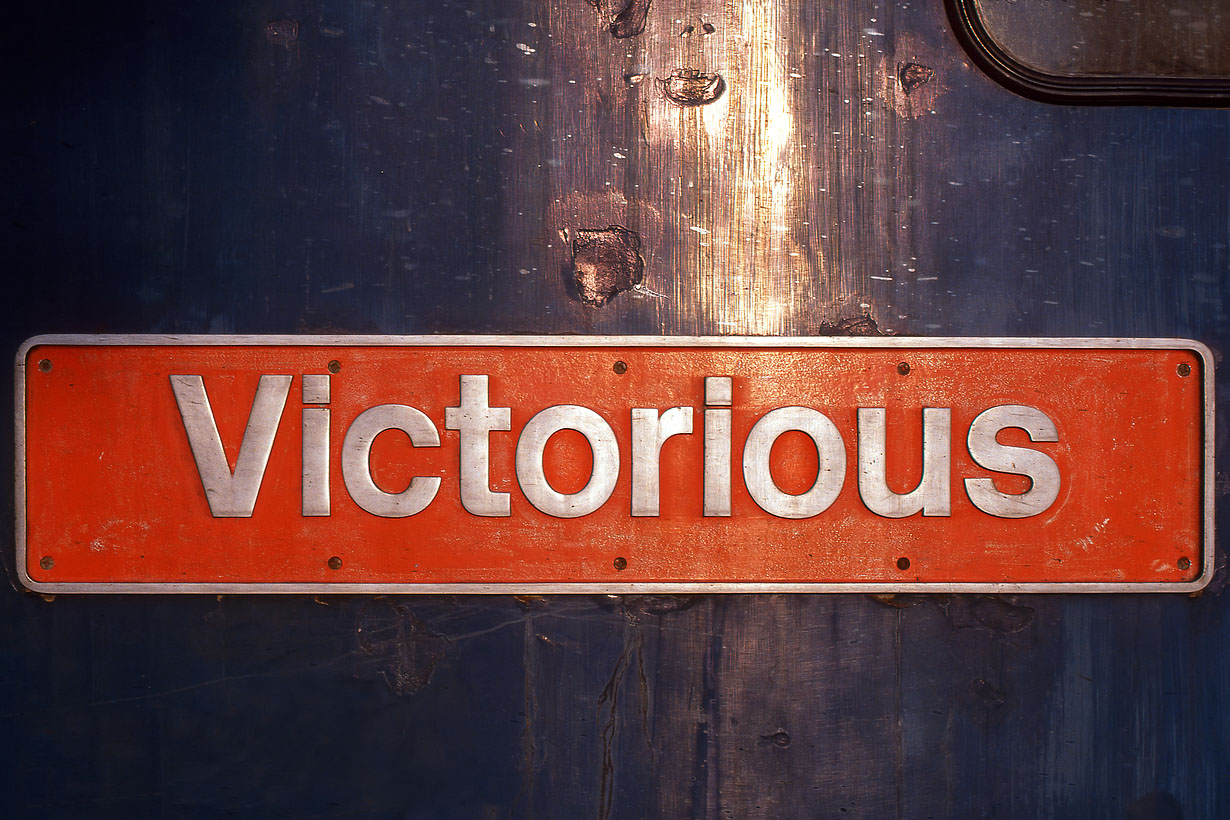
(47, 562)
(335, 563)
(335, 366)
(903, 563)
(621, 563)
(620, 367)
(904, 368)
(45, 365)
(1185, 563)
(1184, 370)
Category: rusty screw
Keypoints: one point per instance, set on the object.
(621, 563)
(620, 367)
(335, 563)
(335, 366)
(1185, 563)
(904, 368)
(903, 563)
(1184, 369)
(47, 562)
(45, 365)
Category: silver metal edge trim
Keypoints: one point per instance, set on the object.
(1208, 557)
(572, 588)
(487, 340)
(19, 458)
(597, 588)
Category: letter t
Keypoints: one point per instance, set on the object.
(475, 420)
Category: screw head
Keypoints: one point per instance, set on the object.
(1184, 369)
(621, 563)
(335, 563)
(1185, 563)
(45, 365)
(904, 368)
(620, 367)
(335, 366)
(47, 562)
(903, 563)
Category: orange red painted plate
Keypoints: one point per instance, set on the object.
(788, 465)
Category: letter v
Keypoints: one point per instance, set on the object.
(231, 495)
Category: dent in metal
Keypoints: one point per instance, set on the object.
(605, 263)
(688, 87)
(628, 21)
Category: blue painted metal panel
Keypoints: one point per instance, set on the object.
(405, 168)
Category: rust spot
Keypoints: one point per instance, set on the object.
(913, 75)
(890, 599)
(861, 325)
(780, 739)
(988, 693)
(606, 262)
(631, 20)
(688, 87)
(397, 647)
(993, 613)
(638, 608)
(628, 21)
(284, 33)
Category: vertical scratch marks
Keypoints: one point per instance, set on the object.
(529, 657)
(900, 744)
(608, 704)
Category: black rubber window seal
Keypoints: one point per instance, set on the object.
(1078, 90)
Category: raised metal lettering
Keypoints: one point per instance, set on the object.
(649, 432)
(315, 491)
(356, 460)
(718, 391)
(830, 451)
(532, 444)
(475, 420)
(231, 495)
(989, 454)
(933, 495)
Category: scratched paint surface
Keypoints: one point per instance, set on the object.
(408, 168)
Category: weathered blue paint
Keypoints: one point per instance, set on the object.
(180, 167)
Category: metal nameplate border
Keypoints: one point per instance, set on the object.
(845, 342)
